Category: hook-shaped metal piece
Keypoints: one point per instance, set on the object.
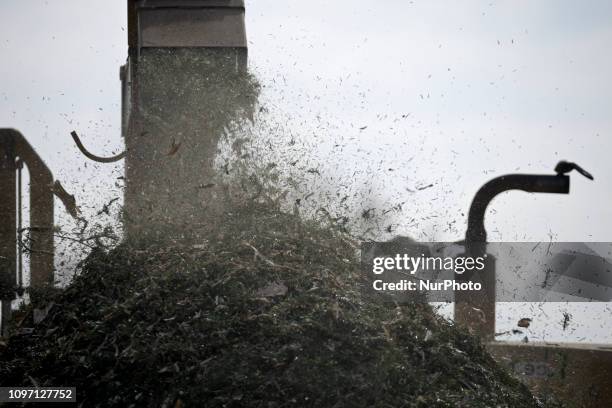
(564, 167)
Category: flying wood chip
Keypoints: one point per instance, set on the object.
(524, 322)
(174, 147)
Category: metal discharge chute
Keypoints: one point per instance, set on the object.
(184, 83)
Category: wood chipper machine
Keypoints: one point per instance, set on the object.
(182, 54)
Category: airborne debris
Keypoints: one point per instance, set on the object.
(424, 187)
(524, 322)
(106, 207)
(67, 199)
(566, 320)
(174, 147)
(368, 213)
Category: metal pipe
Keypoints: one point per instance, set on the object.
(92, 156)
(477, 310)
(531, 183)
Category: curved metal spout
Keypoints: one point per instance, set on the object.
(531, 183)
(476, 310)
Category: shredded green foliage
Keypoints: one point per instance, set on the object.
(269, 312)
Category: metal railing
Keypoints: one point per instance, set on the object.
(15, 151)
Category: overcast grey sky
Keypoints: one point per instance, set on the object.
(386, 97)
